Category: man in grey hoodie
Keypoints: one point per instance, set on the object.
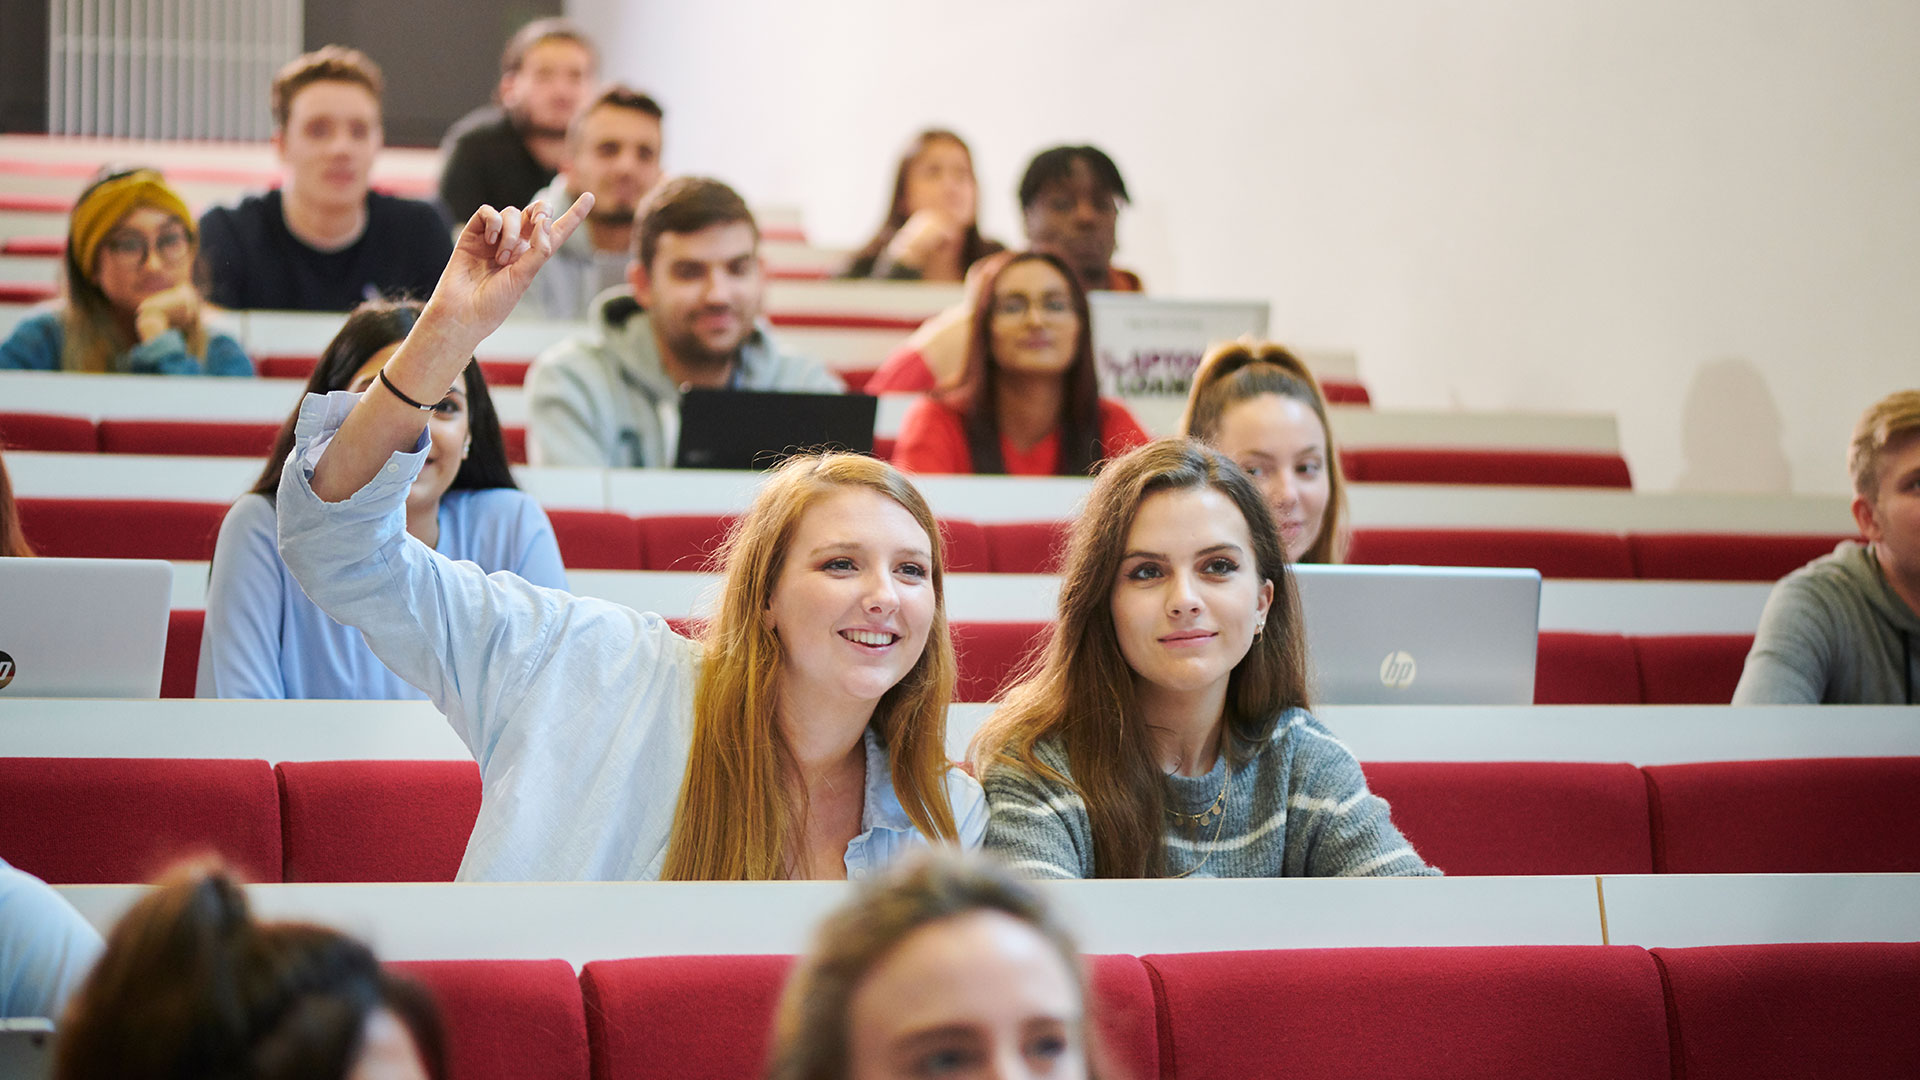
(613, 150)
(1843, 629)
(689, 316)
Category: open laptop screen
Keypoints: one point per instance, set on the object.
(757, 429)
(83, 627)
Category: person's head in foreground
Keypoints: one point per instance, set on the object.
(831, 618)
(1031, 340)
(192, 986)
(131, 243)
(1884, 460)
(1070, 198)
(1258, 404)
(466, 447)
(546, 71)
(1175, 605)
(696, 270)
(327, 126)
(949, 967)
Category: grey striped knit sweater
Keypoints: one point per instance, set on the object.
(1300, 808)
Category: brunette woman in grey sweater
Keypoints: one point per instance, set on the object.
(1165, 732)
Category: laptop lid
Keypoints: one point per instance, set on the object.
(26, 1048)
(1420, 635)
(757, 429)
(83, 627)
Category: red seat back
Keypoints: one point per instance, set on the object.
(376, 820)
(1509, 817)
(1553, 553)
(1439, 465)
(681, 1016)
(46, 432)
(596, 539)
(1565, 1013)
(180, 670)
(514, 438)
(1802, 816)
(505, 372)
(991, 655)
(1690, 669)
(1786, 1012)
(210, 438)
(125, 820)
(121, 528)
(285, 367)
(1345, 393)
(682, 541)
(1585, 669)
(1725, 556)
(507, 1019)
(966, 547)
(1027, 547)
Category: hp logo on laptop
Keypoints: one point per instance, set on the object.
(1397, 670)
(6, 670)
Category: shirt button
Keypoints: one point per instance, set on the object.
(392, 468)
(857, 875)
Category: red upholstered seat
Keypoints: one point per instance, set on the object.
(990, 655)
(597, 539)
(48, 433)
(966, 547)
(1562, 1013)
(508, 1019)
(514, 437)
(1690, 669)
(1441, 465)
(1345, 393)
(208, 438)
(856, 380)
(1725, 556)
(125, 820)
(505, 372)
(285, 367)
(121, 528)
(180, 670)
(682, 541)
(376, 820)
(1026, 547)
(1511, 817)
(1789, 1012)
(1553, 553)
(1585, 669)
(1801, 816)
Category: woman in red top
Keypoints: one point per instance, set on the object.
(1029, 403)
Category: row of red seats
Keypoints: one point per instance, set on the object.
(611, 540)
(109, 820)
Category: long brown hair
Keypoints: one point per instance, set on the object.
(737, 815)
(95, 334)
(13, 541)
(974, 397)
(1081, 691)
(1237, 371)
(191, 985)
(812, 1031)
(973, 246)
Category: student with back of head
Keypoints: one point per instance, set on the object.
(264, 638)
(324, 240)
(932, 231)
(130, 304)
(688, 317)
(947, 967)
(613, 151)
(1070, 202)
(500, 154)
(1845, 628)
(1164, 732)
(1258, 404)
(1029, 404)
(802, 735)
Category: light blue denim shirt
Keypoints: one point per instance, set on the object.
(579, 711)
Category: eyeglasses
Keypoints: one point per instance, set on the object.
(1016, 306)
(133, 248)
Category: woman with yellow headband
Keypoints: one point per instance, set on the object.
(130, 303)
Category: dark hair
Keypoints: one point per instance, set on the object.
(539, 32)
(190, 985)
(1080, 690)
(687, 204)
(329, 63)
(1055, 166)
(619, 95)
(373, 326)
(974, 399)
(13, 542)
(972, 248)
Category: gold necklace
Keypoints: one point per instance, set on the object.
(1219, 813)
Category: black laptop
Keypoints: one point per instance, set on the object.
(758, 429)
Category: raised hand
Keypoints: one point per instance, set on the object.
(493, 264)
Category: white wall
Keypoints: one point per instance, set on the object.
(1703, 217)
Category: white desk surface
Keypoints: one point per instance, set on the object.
(1686, 910)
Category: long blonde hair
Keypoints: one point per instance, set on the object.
(1235, 371)
(737, 811)
(1081, 689)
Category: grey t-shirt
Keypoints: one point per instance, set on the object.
(1834, 633)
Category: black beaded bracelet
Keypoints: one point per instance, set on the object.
(395, 391)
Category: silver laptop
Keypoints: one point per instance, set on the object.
(1148, 347)
(83, 627)
(26, 1048)
(1420, 635)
